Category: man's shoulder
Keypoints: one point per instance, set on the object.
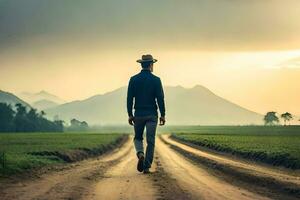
(139, 75)
(156, 77)
(134, 77)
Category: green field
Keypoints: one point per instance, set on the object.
(278, 146)
(253, 130)
(25, 151)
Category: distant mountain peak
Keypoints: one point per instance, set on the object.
(41, 95)
(185, 106)
(201, 88)
(9, 98)
(198, 86)
(187, 88)
(44, 104)
(43, 100)
(43, 92)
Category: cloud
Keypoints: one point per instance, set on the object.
(198, 24)
(290, 63)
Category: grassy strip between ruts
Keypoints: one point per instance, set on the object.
(278, 150)
(28, 151)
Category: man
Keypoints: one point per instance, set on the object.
(147, 92)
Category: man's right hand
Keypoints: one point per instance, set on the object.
(131, 120)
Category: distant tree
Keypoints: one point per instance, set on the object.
(286, 117)
(84, 125)
(42, 113)
(21, 121)
(21, 110)
(270, 118)
(75, 123)
(33, 120)
(59, 125)
(78, 125)
(6, 118)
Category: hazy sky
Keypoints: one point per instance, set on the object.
(245, 51)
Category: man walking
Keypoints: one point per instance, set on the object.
(147, 92)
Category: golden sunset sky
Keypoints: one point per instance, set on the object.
(245, 51)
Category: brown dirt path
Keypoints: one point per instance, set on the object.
(276, 173)
(114, 176)
(123, 181)
(73, 181)
(198, 182)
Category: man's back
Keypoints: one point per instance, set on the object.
(146, 91)
(145, 88)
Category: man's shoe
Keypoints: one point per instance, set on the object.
(147, 171)
(140, 165)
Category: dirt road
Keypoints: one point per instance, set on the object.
(74, 181)
(114, 176)
(198, 182)
(122, 181)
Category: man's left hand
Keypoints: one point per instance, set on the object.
(131, 120)
(162, 121)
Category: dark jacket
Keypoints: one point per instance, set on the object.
(147, 91)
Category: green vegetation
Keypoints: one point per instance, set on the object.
(22, 119)
(77, 125)
(253, 130)
(25, 151)
(271, 118)
(275, 145)
(286, 117)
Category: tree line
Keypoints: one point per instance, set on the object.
(271, 118)
(76, 125)
(21, 119)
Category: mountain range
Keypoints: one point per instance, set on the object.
(41, 100)
(44, 104)
(193, 106)
(9, 98)
(196, 105)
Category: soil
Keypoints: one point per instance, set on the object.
(175, 174)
